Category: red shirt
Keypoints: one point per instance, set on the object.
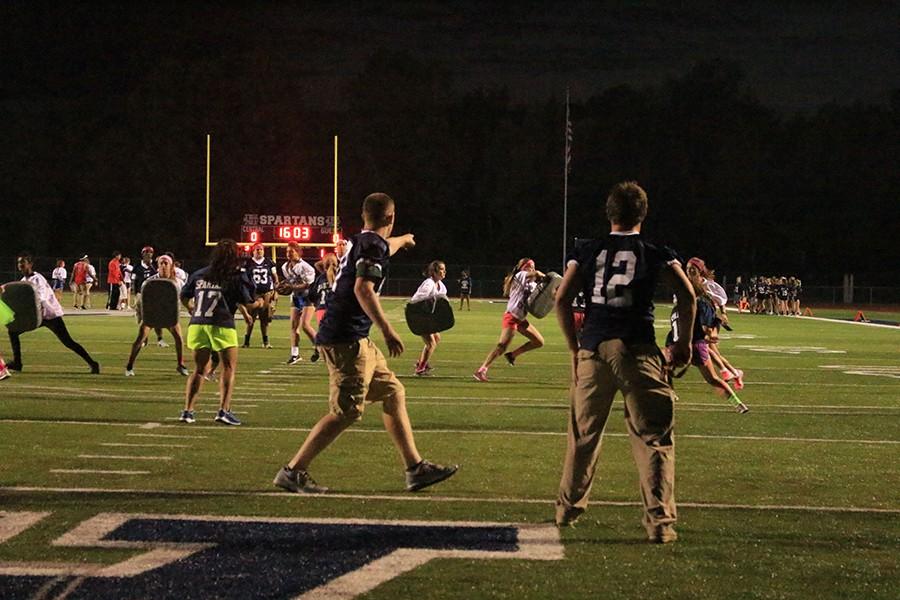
(78, 273)
(115, 272)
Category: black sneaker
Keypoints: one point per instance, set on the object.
(293, 360)
(427, 473)
(298, 482)
(510, 358)
(95, 368)
(315, 356)
(14, 366)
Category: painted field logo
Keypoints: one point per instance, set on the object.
(869, 370)
(189, 556)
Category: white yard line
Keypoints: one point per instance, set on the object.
(502, 432)
(125, 445)
(443, 499)
(99, 472)
(124, 457)
(163, 435)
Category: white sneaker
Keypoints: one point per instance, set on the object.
(129, 372)
(162, 344)
(4, 373)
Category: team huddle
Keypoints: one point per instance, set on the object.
(604, 307)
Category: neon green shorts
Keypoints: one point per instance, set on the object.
(212, 337)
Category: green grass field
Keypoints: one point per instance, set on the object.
(799, 498)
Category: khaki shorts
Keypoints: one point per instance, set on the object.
(357, 374)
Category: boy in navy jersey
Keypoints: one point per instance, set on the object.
(617, 351)
(357, 370)
(263, 273)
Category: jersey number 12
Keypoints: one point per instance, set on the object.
(613, 291)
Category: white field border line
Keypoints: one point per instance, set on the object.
(504, 432)
(163, 435)
(98, 472)
(124, 457)
(894, 327)
(126, 445)
(534, 541)
(12, 523)
(440, 499)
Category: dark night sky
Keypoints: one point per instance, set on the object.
(797, 55)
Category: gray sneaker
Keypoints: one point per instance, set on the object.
(427, 473)
(298, 482)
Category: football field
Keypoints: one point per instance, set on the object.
(104, 494)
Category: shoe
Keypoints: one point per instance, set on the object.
(211, 377)
(741, 408)
(14, 366)
(427, 473)
(315, 356)
(162, 343)
(480, 374)
(182, 370)
(129, 372)
(267, 346)
(294, 360)
(566, 517)
(298, 482)
(187, 416)
(4, 373)
(510, 358)
(423, 372)
(95, 368)
(664, 535)
(726, 375)
(225, 416)
(144, 344)
(245, 345)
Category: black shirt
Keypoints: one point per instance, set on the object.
(368, 257)
(618, 276)
(141, 273)
(260, 273)
(215, 303)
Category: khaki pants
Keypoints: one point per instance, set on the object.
(636, 371)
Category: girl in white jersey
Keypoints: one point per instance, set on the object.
(517, 286)
(59, 277)
(429, 290)
(165, 270)
(298, 275)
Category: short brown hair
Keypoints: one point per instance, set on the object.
(626, 204)
(376, 207)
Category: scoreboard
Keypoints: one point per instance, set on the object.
(310, 230)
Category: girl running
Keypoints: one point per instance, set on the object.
(298, 276)
(165, 270)
(326, 271)
(517, 285)
(430, 289)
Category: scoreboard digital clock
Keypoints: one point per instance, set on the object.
(311, 230)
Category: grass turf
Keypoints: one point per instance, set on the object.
(822, 433)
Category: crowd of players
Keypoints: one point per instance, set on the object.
(768, 295)
(612, 344)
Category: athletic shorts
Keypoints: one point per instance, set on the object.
(510, 322)
(211, 337)
(700, 352)
(320, 315)
(358, 374)
(59, 284)
(298, 302)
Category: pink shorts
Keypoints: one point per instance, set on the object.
(579, 320)
(320, 314)
(700, 352)
(510, 322)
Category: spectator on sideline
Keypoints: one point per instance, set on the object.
(90, 278)
(125, 288)
(114, 280)
(59, 277)
(79, 274)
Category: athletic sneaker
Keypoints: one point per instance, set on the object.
(267, 346)
(741, 408)
(421, 372)
(182, 370)
(187, 416)
(298, 482)
(315, 356)
(510, 358)
(129, 372)
(293, 360)
(95, 368)
(211, 376)
(4, 373)
(14, 366)
(245, 345)
(480, 374)
(162, 343)
(566, 517)
(427, 473)
(664, 534)
(225, 416)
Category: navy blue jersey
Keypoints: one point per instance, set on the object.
(261, 274)
(214, 303)
(368, 257)
(579, 304)
(142, 272)
(705, 317)
(618, 276)
(320, 290)
(465, 285)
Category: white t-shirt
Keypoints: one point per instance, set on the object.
(50, 306)
(519, 290)
(59, 274)
(90, 274)
(181, 276)
(178, 283)
(299, 272)
(716, 291)
(127, 271)
(429, 290)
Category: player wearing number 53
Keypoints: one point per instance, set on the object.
(617, 351)
(211, 295)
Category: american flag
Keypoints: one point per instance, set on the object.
(568, 137)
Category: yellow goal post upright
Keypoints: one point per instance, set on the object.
(335, 231)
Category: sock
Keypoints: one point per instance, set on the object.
(295, 350)
(247, 339)
(734, 399)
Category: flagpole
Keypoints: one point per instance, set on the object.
(566, 184)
